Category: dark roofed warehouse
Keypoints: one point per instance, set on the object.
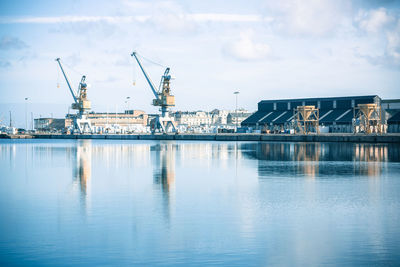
(337, 113)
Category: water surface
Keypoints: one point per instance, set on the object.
(171, 203)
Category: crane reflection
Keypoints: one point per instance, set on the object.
(83, 168)
(164, 173)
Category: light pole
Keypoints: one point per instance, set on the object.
(236, 115)
(26, 113)
(127, 102)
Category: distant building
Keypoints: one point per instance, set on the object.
(236, 118)
(219, 117)
(391, 105)
(7, 130)
(150, 118)
(193, 118)
(214, 118)
(126, 119)
(49, 124)
(392, 108)
(100, 120)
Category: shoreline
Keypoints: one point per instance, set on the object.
(344, 137)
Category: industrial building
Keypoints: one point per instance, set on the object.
(49, 124)
(392, 108)
(335, 113)
(126, 121)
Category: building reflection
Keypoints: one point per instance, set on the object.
(306, 156)
(164, 172)
(371, 155)
(320, 159)
(83, 168)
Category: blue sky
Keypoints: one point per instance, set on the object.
(264, 49)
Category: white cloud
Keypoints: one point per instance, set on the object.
(137, 5)
(393, 45)
(170, 17)
(218, 17)
(65, 19)
(373, 20)
(313, 17)
(166, 17)
(10, 42)
(382, 26)
(246, 48)
(4, 64)
(197, 17)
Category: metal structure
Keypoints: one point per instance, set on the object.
(163, 99)
(306, 119)
(368, 119)
(81, 103)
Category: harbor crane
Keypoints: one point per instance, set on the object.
(81, 104)
(163, 99)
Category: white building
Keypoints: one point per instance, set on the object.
(219, 117)
(193, 118)
(236, 117)
(214, 118)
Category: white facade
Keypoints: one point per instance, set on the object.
(220, 116)
(213, 118)
(195, 118)
(236, 117)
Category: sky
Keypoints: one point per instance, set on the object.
(263, 49)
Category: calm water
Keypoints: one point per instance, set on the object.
(198, 203)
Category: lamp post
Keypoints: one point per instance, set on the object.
(127, 102)
(236, 114)
(26, 113)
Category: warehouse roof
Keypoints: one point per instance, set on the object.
(318, 99)
(395, 118)
(331, 109)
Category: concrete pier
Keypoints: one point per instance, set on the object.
(355, 138)
(16, 136)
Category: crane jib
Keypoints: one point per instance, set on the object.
(66, 79)
(153, 88)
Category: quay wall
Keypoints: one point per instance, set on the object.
(355, 138)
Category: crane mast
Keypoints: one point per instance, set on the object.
(163, 98)
(81, 103)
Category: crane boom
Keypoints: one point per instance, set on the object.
(153, 88)
(66, 79)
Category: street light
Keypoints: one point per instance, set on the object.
(236, 114)
(127, 102)
(26, 113)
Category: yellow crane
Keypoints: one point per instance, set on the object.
(163, 99)
(81, 103)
